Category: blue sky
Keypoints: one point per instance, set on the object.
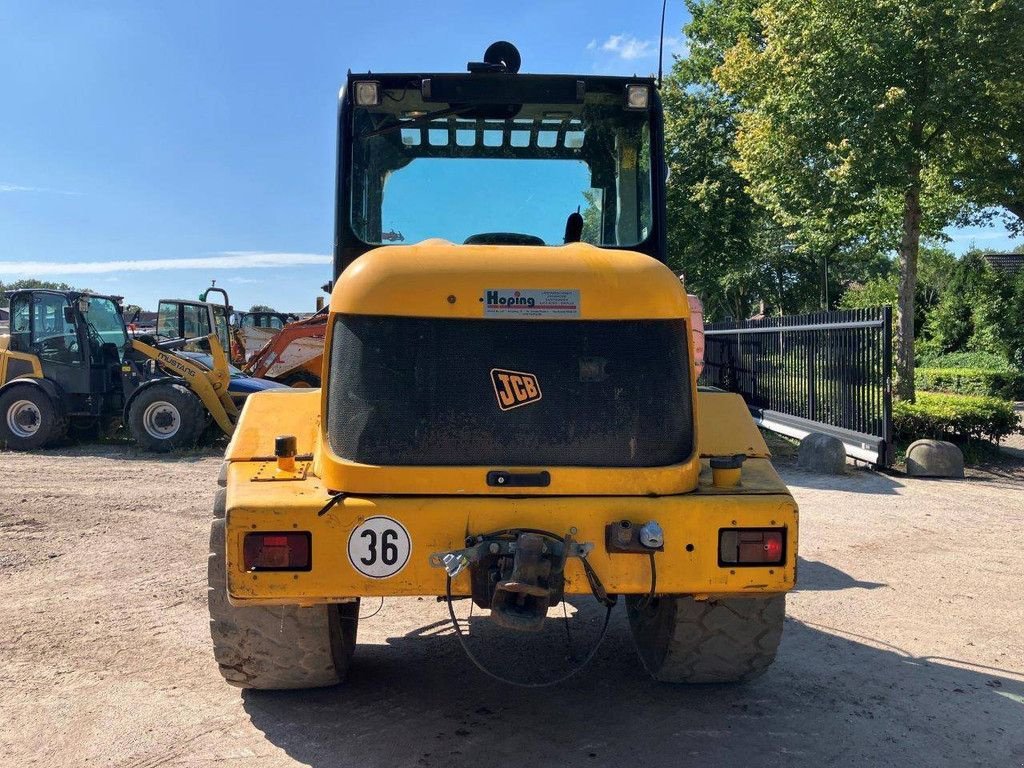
(146, 148)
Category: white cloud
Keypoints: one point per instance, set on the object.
(630, 48)
(226, 260)
(7, 187)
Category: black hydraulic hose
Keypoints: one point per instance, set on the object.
(654, 584)
(596, 587)
(544, 684)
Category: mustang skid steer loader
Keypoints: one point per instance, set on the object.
(509, 409)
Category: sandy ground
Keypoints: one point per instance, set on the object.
(904, 644)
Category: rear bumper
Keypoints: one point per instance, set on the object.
(689, 564)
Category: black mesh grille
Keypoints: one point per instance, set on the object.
(412, 391)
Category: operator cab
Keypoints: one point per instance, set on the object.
(79, 340)
(494, 157)
(193, 320)
(273, 321)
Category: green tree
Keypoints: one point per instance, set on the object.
(979, 310)
(937, 267)
(734, 251)
(854, 112)
(712, 219)
(31, 283)
(261, 308)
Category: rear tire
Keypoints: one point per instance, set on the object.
(166, 416)
(29, 419)
(682, 640)
(276, 647)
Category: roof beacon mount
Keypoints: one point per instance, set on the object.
(499, 57)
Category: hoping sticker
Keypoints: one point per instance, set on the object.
(515, 302)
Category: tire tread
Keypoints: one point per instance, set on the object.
(683, 640)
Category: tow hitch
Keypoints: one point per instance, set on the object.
(517, 574)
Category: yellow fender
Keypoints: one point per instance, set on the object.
(7, 355)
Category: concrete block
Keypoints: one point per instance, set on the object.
(823, 454)
(934, 458)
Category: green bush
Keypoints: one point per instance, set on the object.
(953, 417)
(983, 360)
(1006, 384)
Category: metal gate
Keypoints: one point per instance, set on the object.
(825, 372)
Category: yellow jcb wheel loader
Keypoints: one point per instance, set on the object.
(509, 409)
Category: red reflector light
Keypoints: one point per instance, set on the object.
(277, 551)
(772, 547)
(751, 546)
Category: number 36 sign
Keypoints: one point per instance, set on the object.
(379, 547)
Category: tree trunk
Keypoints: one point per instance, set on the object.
(909, 244)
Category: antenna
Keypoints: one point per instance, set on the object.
(661, 40)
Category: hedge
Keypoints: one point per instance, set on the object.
(1006, 384)
(985, 360)
(954, 417)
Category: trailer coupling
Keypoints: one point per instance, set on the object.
(517, 574)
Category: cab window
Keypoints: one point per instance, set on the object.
(220, 317)
(20, 323)
(53, 338)
(167, 320)
(195, 321)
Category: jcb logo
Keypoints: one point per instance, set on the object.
(514, 388)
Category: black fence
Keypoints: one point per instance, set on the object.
(824, 372)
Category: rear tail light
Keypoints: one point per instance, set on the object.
(751, 546)
(277, 551)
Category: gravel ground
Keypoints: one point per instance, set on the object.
(904, 644)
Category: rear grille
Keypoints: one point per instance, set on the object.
(417, 391)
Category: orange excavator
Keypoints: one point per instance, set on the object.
(295, 355)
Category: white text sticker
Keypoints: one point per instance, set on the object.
(516, 302)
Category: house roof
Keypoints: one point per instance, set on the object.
(1006, 262)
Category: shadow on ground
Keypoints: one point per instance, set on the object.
(856, 480)
(816, 576)
(830, 699)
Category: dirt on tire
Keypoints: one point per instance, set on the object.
(275, 647)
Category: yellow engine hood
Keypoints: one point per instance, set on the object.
(436, 278)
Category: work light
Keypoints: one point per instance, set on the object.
(367, 93)
(637, 96)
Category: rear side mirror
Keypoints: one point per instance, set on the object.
(69, 315)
